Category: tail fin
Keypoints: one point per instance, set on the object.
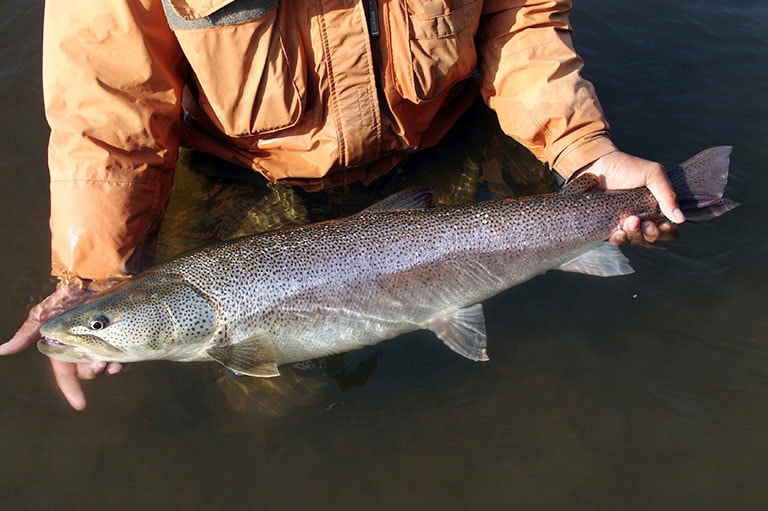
(700, 182)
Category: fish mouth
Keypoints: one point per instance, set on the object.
(60, 350)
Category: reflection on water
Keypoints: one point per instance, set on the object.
(271, 397)
(648, 391)
(213, 201)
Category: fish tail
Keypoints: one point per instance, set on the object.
(700, 182)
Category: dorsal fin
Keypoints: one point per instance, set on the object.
(582, 184)
(412, 198)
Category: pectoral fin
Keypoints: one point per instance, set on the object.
(249, 357)
(463, 331)
(604, 260)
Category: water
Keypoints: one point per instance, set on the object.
(643, 392)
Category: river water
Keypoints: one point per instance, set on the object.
(648, 391)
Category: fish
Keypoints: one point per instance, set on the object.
(260, 301)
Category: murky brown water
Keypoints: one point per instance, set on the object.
(643, 392)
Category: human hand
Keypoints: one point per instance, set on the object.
(621, 171)
(66, 373)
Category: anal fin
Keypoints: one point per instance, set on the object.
(463, 331)
(605, 260)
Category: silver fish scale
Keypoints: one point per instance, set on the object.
(339, 285)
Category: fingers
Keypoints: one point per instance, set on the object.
(68, 375)
(29, 332)
(632, 229)
(66, 378)
(661, 188)
(635, 232)
(90, 370)
(116, 367)
(650, 231)
(619, 237)
(621, 171)
(23, 338)
(62, 299)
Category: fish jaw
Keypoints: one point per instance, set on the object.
(60, 345)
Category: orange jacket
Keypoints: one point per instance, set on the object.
(296, 90)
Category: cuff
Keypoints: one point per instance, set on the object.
(101, 230)
(583, 153)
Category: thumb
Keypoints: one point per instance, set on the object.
(63, 298)
(662, 190)
(26, 335)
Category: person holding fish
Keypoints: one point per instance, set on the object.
(308, 94)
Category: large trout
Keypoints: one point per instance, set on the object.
(257, 302)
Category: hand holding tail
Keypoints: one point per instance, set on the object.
(622, 171)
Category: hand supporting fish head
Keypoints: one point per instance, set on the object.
(139, 320)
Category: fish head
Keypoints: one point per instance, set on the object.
(146, 319)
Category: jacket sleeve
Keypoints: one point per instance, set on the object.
(531, 77)
(112, 81)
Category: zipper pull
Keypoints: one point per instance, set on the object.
(373, 17)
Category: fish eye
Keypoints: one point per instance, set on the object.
(98, 322)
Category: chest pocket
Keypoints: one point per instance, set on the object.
(249, 78)
(433, 46)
